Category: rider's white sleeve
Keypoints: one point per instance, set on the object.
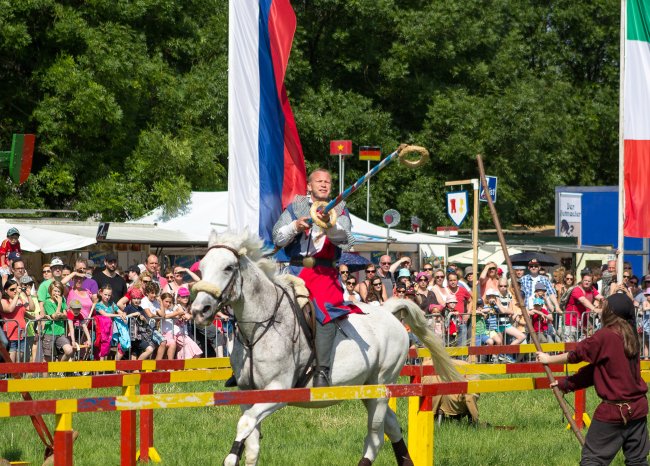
(284, 235)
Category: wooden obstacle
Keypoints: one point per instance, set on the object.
(420, 424)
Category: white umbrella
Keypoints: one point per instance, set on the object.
(488, 252)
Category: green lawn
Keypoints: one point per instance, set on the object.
(332, 436)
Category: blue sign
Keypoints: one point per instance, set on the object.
(492, 188)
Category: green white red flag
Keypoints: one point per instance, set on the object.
(636, 130)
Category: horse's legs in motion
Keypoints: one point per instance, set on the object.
(394, 432)
(252, 451)
(375, 438)
(245, 427)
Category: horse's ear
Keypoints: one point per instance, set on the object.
(242, 251)
(213, 237)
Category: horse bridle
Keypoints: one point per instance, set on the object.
(228, 290)
(268, 323)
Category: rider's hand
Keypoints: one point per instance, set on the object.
(302, 224)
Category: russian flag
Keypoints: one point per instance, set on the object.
(266, 166)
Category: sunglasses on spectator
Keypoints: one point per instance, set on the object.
(634, 282)
(170, 276)
(47, 271)
(12, 289)
(385, 263)
(439, 276)
(370, 270)
(350, 282)
(568, 278)
(400, 291)
(376, 284)
(423, 280)
(344, 272)
(146, 280)
(533, 266)
(428, 269)
(626, 276)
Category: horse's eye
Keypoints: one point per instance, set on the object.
(229, 268)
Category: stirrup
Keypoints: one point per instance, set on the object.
(322, 377)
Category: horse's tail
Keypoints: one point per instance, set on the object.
(414, 318)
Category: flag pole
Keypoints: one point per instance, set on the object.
(368, 198)
(621, 145)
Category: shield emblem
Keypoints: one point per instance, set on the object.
(457, 206)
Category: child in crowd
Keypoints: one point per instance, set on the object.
(107, 312)
(482, 334)
(79, 329)
(188, 347)
(54, 330)
(9, 245)
(142, 335)
(620, 420)
(541, 320)
(451, 316)
(169, 326)
(151, 305)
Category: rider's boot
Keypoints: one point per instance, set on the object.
(324, 341)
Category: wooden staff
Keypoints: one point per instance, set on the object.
(529, 324)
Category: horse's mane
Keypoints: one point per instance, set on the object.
(249, 245)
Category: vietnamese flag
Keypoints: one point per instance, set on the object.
(341, 147)
(636, 131)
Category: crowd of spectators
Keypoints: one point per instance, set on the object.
(85, 312)
(562, 305)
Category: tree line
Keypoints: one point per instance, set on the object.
(129, 99)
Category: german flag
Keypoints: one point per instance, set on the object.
(372, 153)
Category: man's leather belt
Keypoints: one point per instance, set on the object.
(311, 262)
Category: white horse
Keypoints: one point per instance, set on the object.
(272, 351)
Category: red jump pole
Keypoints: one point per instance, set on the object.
(147, 450)
(63, 440)
(128, 432)
(580, 401)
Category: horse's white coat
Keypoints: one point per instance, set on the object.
(368, 349)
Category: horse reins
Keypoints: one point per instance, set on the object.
(268, 323)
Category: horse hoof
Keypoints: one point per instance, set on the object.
(231, 460)
(365, 462)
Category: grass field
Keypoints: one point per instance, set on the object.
(331, 436)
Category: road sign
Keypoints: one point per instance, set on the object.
(457, 206)
(391, 218)
(492, 187)
(341, 147)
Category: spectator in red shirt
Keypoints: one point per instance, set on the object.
(463, 298)
(11, 244)
(540, 318)
(620, 420)
(580, 301)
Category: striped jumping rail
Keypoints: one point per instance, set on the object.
(216, 363)
(420, 424)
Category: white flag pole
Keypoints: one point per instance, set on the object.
(621, 145)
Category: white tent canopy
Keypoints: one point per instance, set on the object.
(37, 237)
(487, 252)
(207, 211)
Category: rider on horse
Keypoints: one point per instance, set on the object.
(313, 252)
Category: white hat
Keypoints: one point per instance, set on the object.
(491, 292)
(142, 268)
(56, 261)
